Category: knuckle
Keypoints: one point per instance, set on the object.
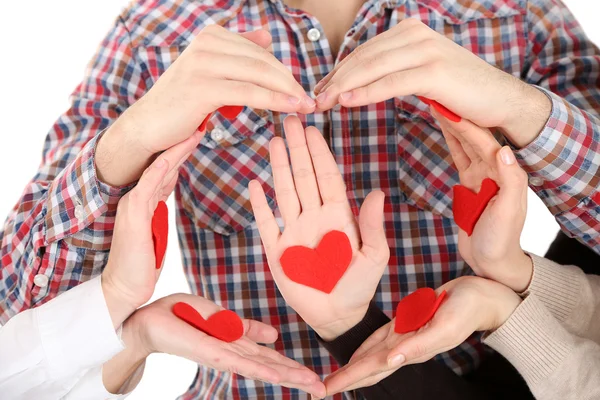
(411, 22)
(302, 173)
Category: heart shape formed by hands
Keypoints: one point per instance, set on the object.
(160, 232)
(467, 206)
(224, 325)
(417, 309)
(319, 268)
(229, 112)
(441, 109)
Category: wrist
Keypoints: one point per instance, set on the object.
(120, 155)
(333, 330)
(120, 307)
(528, 116)
(121, 367)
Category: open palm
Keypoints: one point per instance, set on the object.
(311, 196)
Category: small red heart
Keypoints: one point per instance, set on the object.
(160, 232)
(467, 206)
(441, 109)
(229, 112)
(224, 325)
(417, 309)
(319, 268)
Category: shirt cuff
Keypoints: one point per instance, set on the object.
(343, 347)
(76, 330)
(556, 286)
(77, 198)
(555, 157)
(533, 341)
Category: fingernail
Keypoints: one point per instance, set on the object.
(507, 156)
(160, 163)
(346, 96)
(322, 97)
(396, 361)
(310, 102)
(294, 100)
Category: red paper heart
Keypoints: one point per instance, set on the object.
(441, 109)
(160, 232)
(417, 309)
(224, 325)
(319, 268)
(229, 112)
(467, 206)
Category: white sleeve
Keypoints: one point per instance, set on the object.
(46, 351)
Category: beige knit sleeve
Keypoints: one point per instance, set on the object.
(555, 363)
(571, 296)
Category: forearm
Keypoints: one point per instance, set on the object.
(554, 363)
(571, 296)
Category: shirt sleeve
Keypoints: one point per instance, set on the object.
(45, 351)
(563, 162)
(61, 227)
(571, 296)
(555, 363)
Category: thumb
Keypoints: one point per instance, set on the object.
(513, 182)
(260, 37)
(370, 222)
(420, 347)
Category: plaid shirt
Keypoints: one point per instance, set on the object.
(62, 225)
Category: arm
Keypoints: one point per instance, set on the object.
(565, 64)
(46, 351)
(571, 297)
(554, 363)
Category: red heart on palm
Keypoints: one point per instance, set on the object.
(319, 268)
(417, 309)
(467, 206)
(229, 112)
(160, 232)
(224, 325)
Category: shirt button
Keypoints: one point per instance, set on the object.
(536, 181)
(40, 280)
(217, 134)
(314, 34)
(79, 212)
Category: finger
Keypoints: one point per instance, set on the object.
(480, 141)
(259, 332)
(372, 232)
(512, 196)
(240, 93)
(369, 366)
(377, 337)
(260, 37)
(460, 158)
(285, 189)
(397, 84)
(302, 168)
(370, 381)
(265, 220)
(373, 68)
(258, 72)
(398, 36)
(429, 341)
(329, 179)
(150, 181)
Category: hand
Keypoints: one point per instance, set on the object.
(412, 59)
(217, 68)
(155, 329)
(472, 304)
(494, 249)
(313, 202)
(130, 275)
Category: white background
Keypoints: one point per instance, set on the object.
(44, 47)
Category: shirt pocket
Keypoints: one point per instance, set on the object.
(214, 181)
